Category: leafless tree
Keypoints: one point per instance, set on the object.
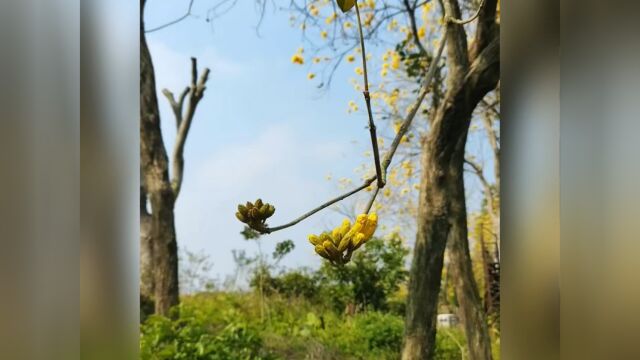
(158, 191)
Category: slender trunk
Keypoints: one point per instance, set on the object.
(428, 257)
(146, 256)
(154, 168)
(472, 311)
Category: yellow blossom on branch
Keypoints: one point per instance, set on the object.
(339, 244)
(330, 18)
(297, 59)
(313, 10)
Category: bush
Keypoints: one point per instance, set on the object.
(193, 336)
(227, 325)
(372, 276)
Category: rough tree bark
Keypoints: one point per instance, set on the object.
(471, 74)
(158, 247)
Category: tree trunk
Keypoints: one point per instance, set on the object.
(441, 213)
(146, 252)
(428, 254)
(472, 311)
(154, 167)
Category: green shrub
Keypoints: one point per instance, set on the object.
(192, 336)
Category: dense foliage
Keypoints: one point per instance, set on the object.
(225, 325)
(355, 311)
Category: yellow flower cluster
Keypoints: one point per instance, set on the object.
(395, 61)
(353, 107)
(338, 245)
(313, 10)
(255, 214)
(297, 58)
(329, 20)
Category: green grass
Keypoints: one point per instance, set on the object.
(233, 326)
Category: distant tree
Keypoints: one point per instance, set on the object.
(159, 192)
(372, 276)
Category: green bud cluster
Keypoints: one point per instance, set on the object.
(255, 214)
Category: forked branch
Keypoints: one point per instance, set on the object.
(195, 92)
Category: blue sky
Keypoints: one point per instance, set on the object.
(261, 130)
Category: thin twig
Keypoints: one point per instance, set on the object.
(327, 204)
(367, 99)
(463, 22)
(186, 15)
(372, 200)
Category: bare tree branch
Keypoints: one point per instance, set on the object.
(367, 98)
(183, 120)
(487, 27)
(186, 15)
(475, 16)
(495, 146)
(414, 28)
(479, 171)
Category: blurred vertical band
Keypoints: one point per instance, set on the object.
(68, 179)
(530, 193)
(600, 174)
(39, 211)
(110, 173)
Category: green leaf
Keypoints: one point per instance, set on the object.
(345, 5)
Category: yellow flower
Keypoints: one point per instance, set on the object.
(395, 61)
(348, 25)
(368, 19)
(393, 25)
(351, 58)
(323, 34)
(338, 244)
(316, 60)
(371, 4)
(383, 73)
(313, 10)
(330, 18)
(352, 106)
(297, 59)
(358, 70)
(310, 76)
(422, 32)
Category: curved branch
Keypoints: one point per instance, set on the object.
(473, 17)
(186, 15)
(325, 205)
